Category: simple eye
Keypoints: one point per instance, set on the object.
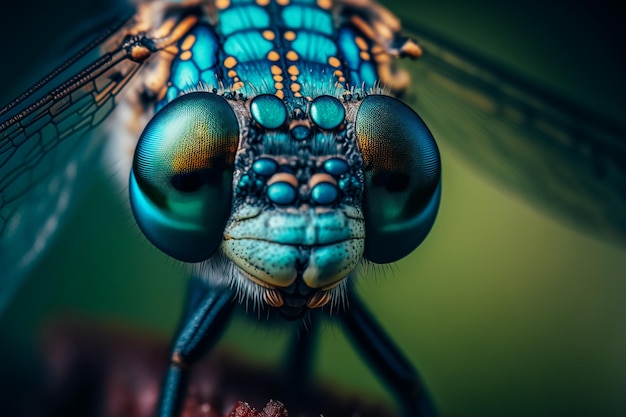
(181, 180)
(402, 177)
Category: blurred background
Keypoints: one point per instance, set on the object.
(504, 310)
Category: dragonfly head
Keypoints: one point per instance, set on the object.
(293, 193)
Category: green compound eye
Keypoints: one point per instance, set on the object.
(327, 112)
(269, 111)
(181, 180)
(402, 177)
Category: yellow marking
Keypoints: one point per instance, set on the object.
(297, 94)
(279, 86)
(290, 35)
(293, 78)
(276, 70)
(230, 62)
(280, 94)
(188, 42)
(236, 79)
(365, 28)
(162, 93)
(364, 56)
(377, 49)
(273, 56)
(185, 56)
(383, 31)
(293, 70)
(222, 4)
(360, 42)
(325, 4)
(262, 2)
(165, 28)
(282, 2)
(292, 56)
(411, 49)
(341, 80)
(334, 62)
(232, 73)
(283, 177)
(269, 35)
(278, 78)
(295, 87)
(383, 58)
(172, 49)
(181, 30)
(238, 85)
(338, 73)
(139, 53)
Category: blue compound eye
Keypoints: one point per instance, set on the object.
(181, 180)
(269, 111)
(336, 166)
(402, 177)
(265, 167)
(327, 112)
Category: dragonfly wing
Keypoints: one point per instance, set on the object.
(557, 154)
(46, 145)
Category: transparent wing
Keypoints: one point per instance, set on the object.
(561, 156)
(45, 144)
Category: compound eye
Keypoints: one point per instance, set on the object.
(181, 180)
(402, 177)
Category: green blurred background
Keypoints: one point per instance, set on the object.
(504, 310)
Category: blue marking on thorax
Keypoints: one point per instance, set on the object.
(361, 72)
(196, 62)
(298, 17)
(243, 17)
(247, 46)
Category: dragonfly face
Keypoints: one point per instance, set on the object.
(270, 163)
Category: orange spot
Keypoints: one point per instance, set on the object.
(276, 70)
(325, 4)
(269, 35)
(295, 87)
(230, 62)
(334, 62)
(282, 2)
(280, 94)
(293, 78)
(232, 73)
(293, 70)
(338, 73)
(360, 42)
(279, 86)
(237, 85)
(188, 42)
(236, 79)
(292, 56)
(222, 4)
(297, 94)
(364, 56)
(411, 49)
(290, 35)
(273, 56)
(278, 78)
(185, 56)
(262, 2)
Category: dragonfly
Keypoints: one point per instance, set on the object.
(536, 119)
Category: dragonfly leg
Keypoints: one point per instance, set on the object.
(396, 370)
(301, 352)
(200, 329)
